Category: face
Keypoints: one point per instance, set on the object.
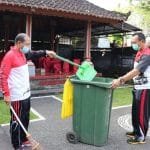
(135, 40)
(26, 43)
(24, 46)
(136, 43)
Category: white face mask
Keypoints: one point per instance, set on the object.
(25, 49)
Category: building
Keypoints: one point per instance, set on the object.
(47, 20)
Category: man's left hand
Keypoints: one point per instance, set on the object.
(7, 99)
(51, 54)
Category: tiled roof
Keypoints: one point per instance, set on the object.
(77, 7)
(106, 30)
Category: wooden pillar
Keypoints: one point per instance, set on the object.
(88, 41)
(29, 26)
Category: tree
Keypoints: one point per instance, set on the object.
(140, 13)
(144, 10)
(145, 4)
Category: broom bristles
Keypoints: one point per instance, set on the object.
(34, 143)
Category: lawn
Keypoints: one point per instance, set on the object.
(121, 97)
(5, 115)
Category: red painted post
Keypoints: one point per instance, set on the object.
(88, 41)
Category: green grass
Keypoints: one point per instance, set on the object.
(60, 95)
(5, 113)
(121, 97)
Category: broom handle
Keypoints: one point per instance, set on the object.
(67, 60)
(22, 126)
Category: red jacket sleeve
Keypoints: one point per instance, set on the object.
(6, 66)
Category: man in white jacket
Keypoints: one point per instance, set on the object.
(16, 85)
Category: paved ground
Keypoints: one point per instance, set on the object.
(51, 133)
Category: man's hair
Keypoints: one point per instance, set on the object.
(141, 36)
(20, 37)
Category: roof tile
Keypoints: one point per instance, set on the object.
(73, 6)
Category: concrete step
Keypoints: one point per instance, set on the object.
(46, 85)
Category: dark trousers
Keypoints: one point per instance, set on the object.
(141, 112)
(22, 109)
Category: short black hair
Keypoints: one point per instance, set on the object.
(20, 37)
(141, 36)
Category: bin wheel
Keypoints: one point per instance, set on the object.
(72, 137)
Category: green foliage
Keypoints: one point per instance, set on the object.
(145, 4)
(142, 9)
(122, 96)
(117, 38)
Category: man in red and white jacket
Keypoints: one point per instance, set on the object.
(141, 92)
(16, 85)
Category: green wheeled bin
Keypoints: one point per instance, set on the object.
(92, 102)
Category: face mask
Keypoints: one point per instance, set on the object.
(135, 47)
(25, 49)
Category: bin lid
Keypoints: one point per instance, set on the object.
(97, 81)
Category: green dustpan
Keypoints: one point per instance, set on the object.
(85, 71)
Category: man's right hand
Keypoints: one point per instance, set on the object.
(51, 54)
(7, 99)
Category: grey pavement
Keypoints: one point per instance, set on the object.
(51, 133)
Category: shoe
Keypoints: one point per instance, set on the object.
(26, 144)
(136, 140)
(130, 134)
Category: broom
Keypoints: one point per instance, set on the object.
(34, 143)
